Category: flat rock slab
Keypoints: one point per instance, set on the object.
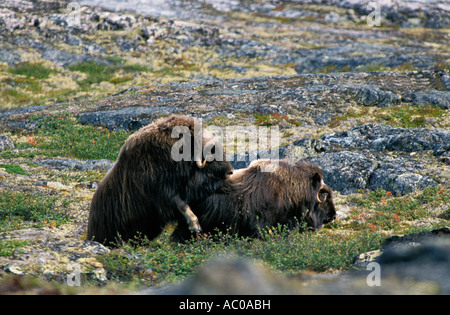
(309, 98)
(377, 137)
(76, 165)
(129, 118)
(53, 251)
(347, 172)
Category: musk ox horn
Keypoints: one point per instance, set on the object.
(200, 164)
(318, 194)
(318, 198)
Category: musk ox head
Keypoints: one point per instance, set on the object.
(197, 146)
(324, 211)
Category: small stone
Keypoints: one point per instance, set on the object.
(58, 186)
(14, 270)
(363, 259)
(6, 143)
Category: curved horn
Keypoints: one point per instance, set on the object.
(200, 164)
(318, 193)
(318, 198)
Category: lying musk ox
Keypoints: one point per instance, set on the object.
(147, 187)
(263, 195)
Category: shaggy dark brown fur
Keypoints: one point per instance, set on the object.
(146, 188)
(255, 198)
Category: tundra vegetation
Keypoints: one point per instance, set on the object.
(71, 96)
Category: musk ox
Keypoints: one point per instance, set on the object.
(263, 195)
(150, 185)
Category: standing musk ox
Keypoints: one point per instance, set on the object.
(156, 176)
(263, 195)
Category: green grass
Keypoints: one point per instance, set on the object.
(7, 248)
(12, 95)
(28, 83)
(397, 116)
(136, 68)
(379, 211)
(160, 261)
(20, 210)
(336, 120)
(62, 135)
(96, 72)
(268, 120)
(65, 136)
(121, 79)
(13, 169)
(409, 116)
(24, 86)
(30, 69)
(99, 72)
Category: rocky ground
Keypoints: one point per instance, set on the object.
(368, 104)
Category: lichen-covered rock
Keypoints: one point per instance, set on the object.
(6, 143)
(346, 171)
(376, 137)
(374, 96)
(51, 252)
(129, 118)
(72, 164)
(433, 97)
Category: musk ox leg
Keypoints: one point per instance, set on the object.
(181, 234)
(191, 218)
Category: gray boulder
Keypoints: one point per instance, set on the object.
(348, 171)
(76, 165)
(398, 176)
(129, 118)
(430, 97)
(6, 143)
(374, 96)
(377, 137)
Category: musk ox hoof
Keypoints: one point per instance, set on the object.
(194, 227)
(194, 224)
